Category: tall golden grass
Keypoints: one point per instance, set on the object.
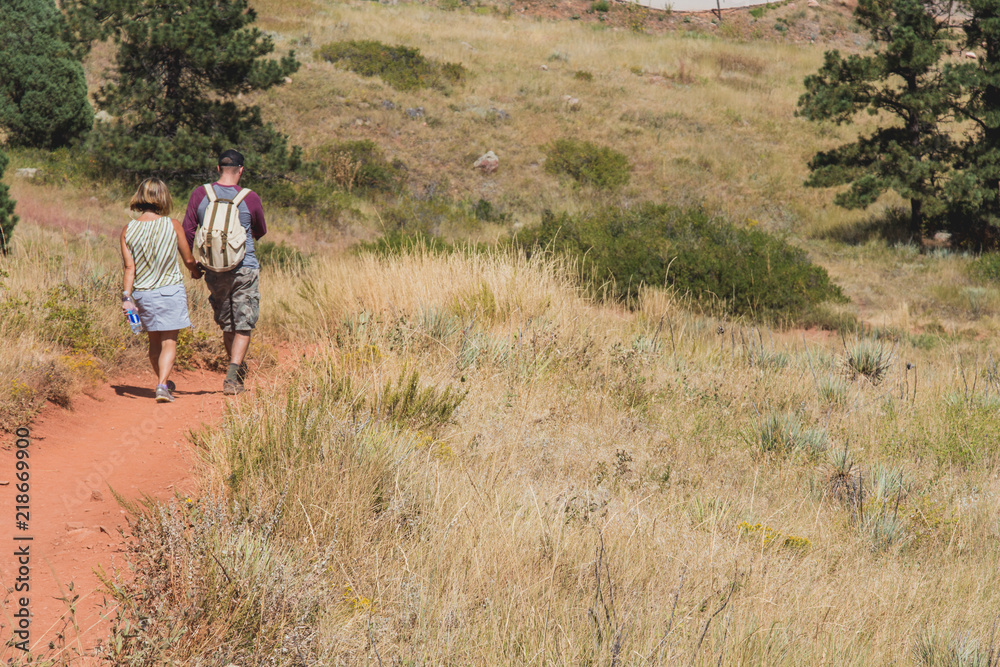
(602, 494)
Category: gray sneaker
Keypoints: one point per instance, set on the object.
(163, 395)
(232, 388)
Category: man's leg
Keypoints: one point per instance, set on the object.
(238, 311)
(239, 346)
(237, 343)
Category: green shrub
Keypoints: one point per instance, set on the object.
(602, 6)
(406, 403)
(588, 163)
(280, 255)
(361, 164)
(736, 270)
(986, 267)
(583, 75)
(401, 67)
(7, 218)
(431, 217)
(71, 320)
(321, 201)
(488, 212)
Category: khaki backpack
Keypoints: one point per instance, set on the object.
(220, 242)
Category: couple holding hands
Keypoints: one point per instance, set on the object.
(215, 240)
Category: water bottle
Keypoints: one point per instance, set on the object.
(131, 313)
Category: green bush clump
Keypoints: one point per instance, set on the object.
(986, 267)
(407, 403)
(415, 225)
(588, 163)
(322, 201)
(401, 67)
(487, 211)
(72, 321)
(280, 255)
(431, 217)
(602, 6)
(361, 164)
(737, 270)
(7, 218)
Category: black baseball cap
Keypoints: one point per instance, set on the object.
(230, 158)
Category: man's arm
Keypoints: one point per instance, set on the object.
(191, 216)
(258, 227)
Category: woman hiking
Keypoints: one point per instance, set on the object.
(153, 285)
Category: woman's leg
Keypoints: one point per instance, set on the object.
(168, 352)
(155, 348)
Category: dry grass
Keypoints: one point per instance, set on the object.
(596, 475)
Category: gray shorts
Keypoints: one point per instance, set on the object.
(162, 309)
(235, 298)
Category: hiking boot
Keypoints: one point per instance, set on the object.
(163, 394)
(232, 388)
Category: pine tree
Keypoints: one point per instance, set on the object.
(973, 192)
(904, 81)
(43, 92)
(179, 69)
(7, 218)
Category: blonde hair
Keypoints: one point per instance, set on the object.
(152, 195)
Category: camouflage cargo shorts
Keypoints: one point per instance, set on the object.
(235, 298)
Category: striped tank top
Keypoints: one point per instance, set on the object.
(153, 244)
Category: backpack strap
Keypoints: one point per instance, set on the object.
(212, 197)
(240, 196)
(210, 191)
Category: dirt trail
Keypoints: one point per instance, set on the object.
(120, 439)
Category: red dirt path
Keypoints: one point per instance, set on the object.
(120, 439)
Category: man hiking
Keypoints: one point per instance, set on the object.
(222, 223)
